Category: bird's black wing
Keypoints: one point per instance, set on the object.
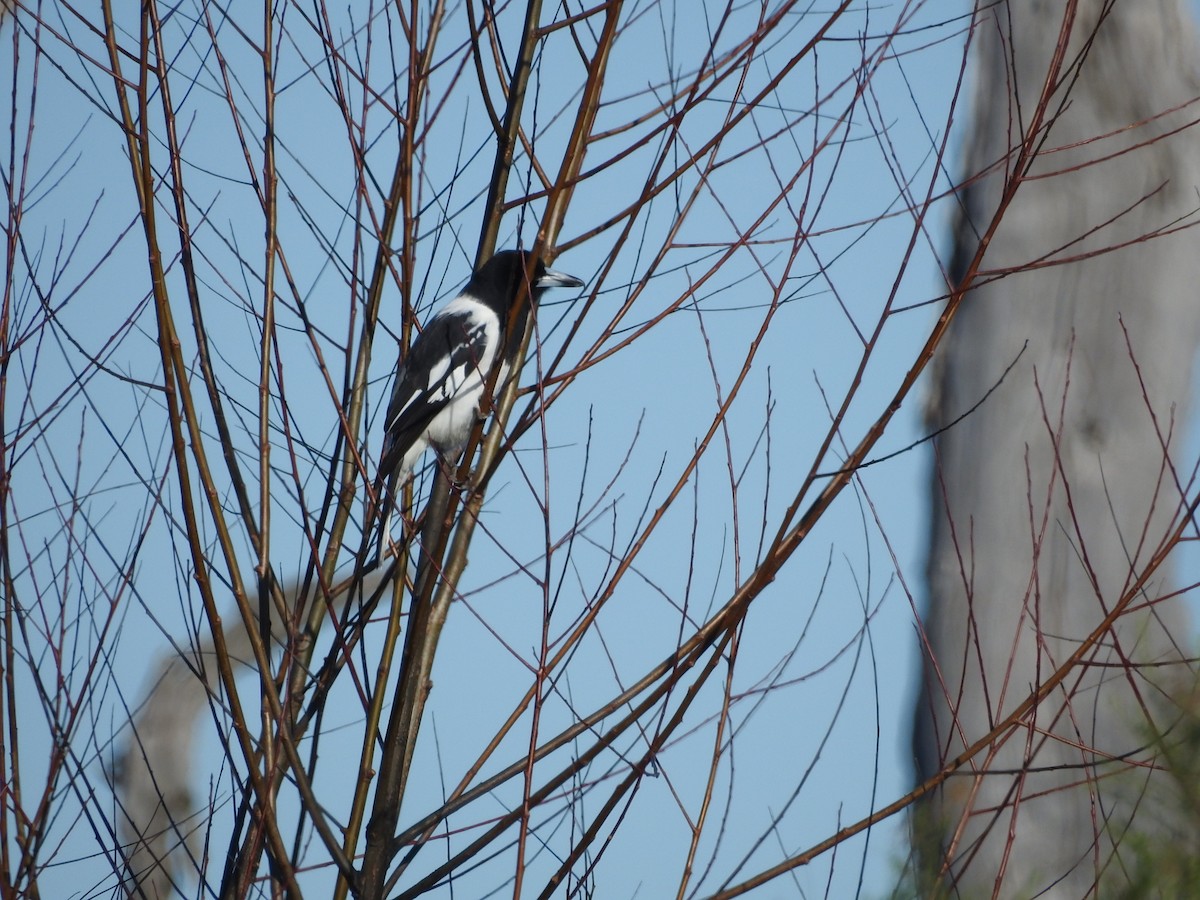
(449, 351)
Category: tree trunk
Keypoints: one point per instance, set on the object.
(1052, 498)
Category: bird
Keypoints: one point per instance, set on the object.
(441, 380)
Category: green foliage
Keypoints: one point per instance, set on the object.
(1165, 862)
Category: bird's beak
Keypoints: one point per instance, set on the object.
(550, 279)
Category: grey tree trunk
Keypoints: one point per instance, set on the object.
(1051, 499)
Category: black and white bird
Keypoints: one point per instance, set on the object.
(440, 382)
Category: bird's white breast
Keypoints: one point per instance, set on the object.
(463, 385)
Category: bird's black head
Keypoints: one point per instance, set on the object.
(499, 281)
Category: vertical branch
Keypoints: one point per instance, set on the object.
(420, 61)
(506, 139)
(14, 831)
(270, 698)
(270, 215)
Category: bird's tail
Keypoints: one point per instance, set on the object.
(385, 495)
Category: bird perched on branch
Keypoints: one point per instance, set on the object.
(440, 382)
